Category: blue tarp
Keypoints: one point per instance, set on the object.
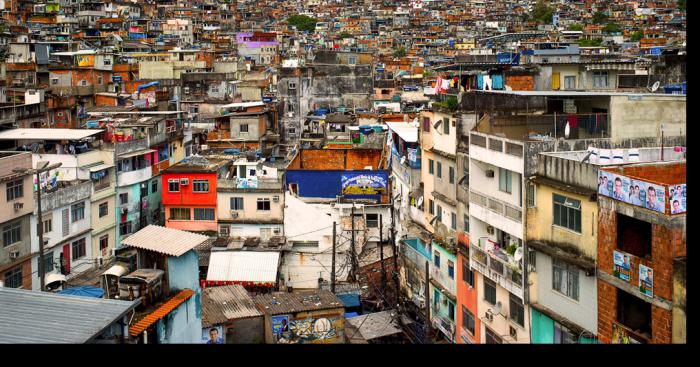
(85, 291)
(349, 300)
(351, 314)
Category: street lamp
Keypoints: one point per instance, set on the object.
(41, 167)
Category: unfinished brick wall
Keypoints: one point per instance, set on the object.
(336, 159)
(668, 241)
(520, 82)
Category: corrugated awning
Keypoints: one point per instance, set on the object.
(158, 314)
(134, 154)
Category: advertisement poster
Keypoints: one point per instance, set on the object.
(363, 183)
(247, 183)
(646, 280)
(86, 60)
(621, 265)
(213, 335)
(631, 191)
(676, 199)
(280, 324)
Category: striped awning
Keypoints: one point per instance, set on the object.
(610, 66)
(158, 314)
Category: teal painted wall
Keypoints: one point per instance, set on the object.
(542, 328)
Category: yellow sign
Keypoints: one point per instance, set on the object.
(86, 60)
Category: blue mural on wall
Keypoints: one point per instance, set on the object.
(329, 184)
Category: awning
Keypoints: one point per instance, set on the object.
(100, 167)
(405, 131)
(134, 154)
(54, 277)
(116, 270)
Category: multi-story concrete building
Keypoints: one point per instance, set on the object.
(17, 207)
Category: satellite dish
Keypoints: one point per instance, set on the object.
(518, 255)
(403, 159)
(497, 308)
(655, 86)
(567, 130)
(420, 201)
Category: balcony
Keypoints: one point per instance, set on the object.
(447, 327)
(501, 215)
(129, 178)
(158, 167)
(68, 193)
(130, 146)
(494, 267)
(499, 152)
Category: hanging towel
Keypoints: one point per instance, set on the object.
(480, 82)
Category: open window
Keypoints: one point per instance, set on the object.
(634, 313)
(634, 236)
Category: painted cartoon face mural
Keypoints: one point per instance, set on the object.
(310, 330)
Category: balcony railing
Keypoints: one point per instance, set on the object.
(496, 206)
(125, 147)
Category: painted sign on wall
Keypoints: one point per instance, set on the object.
(631, 191)
(621, 265)
(86, 60)
(361, 183)
(307, 330)
(280, 324)
(676, 199)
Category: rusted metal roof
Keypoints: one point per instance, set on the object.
(158, 314)
(222, 304)
(282, 303)
(168, 241)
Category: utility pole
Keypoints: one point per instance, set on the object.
(396, 254)
(352, 244)
(381, 253)
(427, 303)
(333, 262)
(41, 167)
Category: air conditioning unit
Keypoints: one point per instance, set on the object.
(224, 232)
(490, 173)
(276, 231)
(490, 230)
(14, 254)
(234, 214)
(18, 206)
(488, 316)
(514, 333)
(184, 181)
(276, 199)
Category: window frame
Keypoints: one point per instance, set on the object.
(200, 182)
(13, 276)
(15, 191)
(517, 313)
(104, 205)
(264, 201)
(466, 325)
(451, 269)
(236, 199)
(436, 258)
(431, 167)
(562, 205)
(203, 214)
(175, 213)
(81, 245)
(77, 210)
(451, 174)
(104, 238)
(175, 181)
(369, 222)
(12, 230)
(567, 273)
(439, 170)
(505, 180)
(154, 186)
(490, 284)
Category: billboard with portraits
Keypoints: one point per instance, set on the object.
(676, 199)
(635, 192)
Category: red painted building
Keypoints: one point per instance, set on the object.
(468, 323)
(189, 194)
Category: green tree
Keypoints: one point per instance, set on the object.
(344, 34)
(543, 13)
(591, 43)
(612, 28)
(636, 36)
(302, 22)
(681, 4)
(400, 52)
(599, 17)
(576, 27)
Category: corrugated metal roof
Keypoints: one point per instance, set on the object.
(222, 304)
(243, 266)
(376, 325)
(168, 241)
(42, 317)
(48, 134)
(284, 303)
(163, 310)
